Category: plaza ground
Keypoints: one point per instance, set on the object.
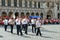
(49, 32)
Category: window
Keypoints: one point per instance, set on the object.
(58, 15)
(44, 5)
(41, 15)
(3, 2)
(48, 4)
(30, 4)
(15, 3)
(34, 4)
(20, 3)
(38, 4)
(57, 6)
(9, 2)
(41, 5)
(25, 3)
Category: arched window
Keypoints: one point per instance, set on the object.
(27, 14)
(37, 14)
(16, 14)
(49, 14)
(58, 15)
(32, 14)
(4, 14)
(10, 14)
(22, 14)
(41, 15)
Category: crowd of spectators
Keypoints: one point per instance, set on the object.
(45, 21)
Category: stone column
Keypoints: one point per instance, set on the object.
(14, 15)
(0, 2)
(37, 4)
(39, 13)
(34, 13)
(55, 11)
(12, 2)
(29, 13)
(45, 13)
(32, 4)
(0, 12)
(17, 3)
(24, 12)
(6, 2)
(27, 3)
(44, 16)
(23, 3)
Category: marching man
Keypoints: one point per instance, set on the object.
(11, 23)
(5, 23)
(25, 24)
(33, 21)
(38, 25)
(18, 26)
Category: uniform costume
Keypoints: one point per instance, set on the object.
(18, 26)
(5, 24)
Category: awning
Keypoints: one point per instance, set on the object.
(34, 17)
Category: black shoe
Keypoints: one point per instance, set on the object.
(36, 35)
(18, 34)
(5, 30)
(26, 33)
(21, 34)
(32, 32)
(41, 35)
(12, 32)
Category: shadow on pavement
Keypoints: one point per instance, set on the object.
(1, 26)
(49, 31)
(29, 30)
(26, 36)
(31, 34)
(46, 37)
(14, 33)
(1, 36)
(8, 31)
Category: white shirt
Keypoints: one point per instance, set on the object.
(11, 21)
(38, 23)
(5, 22)
(24, 21)
(18, 22)
(33, 21)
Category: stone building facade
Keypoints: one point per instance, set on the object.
(45, 8)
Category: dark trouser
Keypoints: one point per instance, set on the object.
(11, 28)
(5, 26)
(19, 29)
(38, 31)
(33, 28)
(25, 26)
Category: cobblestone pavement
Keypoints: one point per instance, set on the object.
(49, 32)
